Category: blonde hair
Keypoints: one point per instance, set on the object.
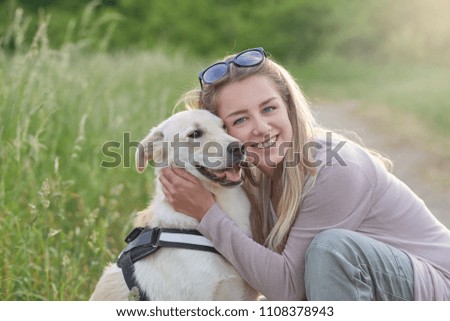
(294, 181)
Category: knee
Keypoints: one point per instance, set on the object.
(332, 242)
(328, 250)
(332, 237)
(325, 258)
(323, 249)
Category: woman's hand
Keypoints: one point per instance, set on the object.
(185, 192)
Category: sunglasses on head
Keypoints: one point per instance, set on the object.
(246, 58)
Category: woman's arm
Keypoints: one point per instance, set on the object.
(339, 199)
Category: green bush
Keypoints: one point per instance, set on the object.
(289, 29)
(413, 30)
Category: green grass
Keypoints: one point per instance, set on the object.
(62, 215)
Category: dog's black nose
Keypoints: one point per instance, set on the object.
(236, 149)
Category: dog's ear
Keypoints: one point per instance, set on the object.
(148, 148)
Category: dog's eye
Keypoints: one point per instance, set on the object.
(195, 134)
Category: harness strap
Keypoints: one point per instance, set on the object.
(185, 239)
(143, 242)
(127, 266)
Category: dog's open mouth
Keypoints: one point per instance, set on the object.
(230, 176)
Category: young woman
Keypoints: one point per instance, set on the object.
(329, 221)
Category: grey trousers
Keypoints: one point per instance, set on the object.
(346, 265)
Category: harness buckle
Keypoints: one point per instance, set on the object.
(133, 234)
(155, 236)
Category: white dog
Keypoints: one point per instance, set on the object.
(195, 140)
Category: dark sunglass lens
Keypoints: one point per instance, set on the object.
(249, 58)
(214, 73)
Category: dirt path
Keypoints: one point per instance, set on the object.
(427, 174)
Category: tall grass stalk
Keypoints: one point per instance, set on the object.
(63, 215)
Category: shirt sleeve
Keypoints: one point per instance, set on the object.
(340, 198)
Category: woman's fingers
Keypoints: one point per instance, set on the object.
(184, 174)
(164, 178)
(185, 192)
(178, 175)
(176, 181)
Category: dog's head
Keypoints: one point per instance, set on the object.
(194, 140)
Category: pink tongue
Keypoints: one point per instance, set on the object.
(233, 176)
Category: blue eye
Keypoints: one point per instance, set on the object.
(239, 121)
(268, 109)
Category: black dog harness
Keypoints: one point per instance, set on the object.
(143, 242)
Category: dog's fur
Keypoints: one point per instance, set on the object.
(181, 274)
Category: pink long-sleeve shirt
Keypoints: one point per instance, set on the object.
(361, 196)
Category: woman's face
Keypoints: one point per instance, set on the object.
(254, 112)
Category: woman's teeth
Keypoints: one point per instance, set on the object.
(268, 143)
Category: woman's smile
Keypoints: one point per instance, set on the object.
(266, 144)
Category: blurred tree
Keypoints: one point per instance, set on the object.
(289, 29)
